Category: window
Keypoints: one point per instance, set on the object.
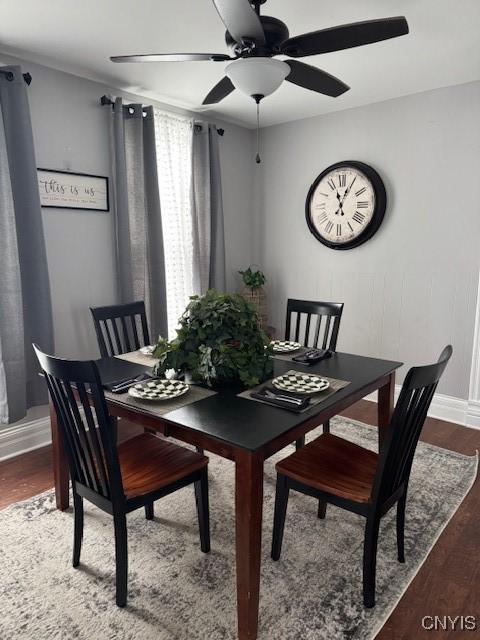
(174, 135)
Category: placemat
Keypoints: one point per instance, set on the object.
(335, 385)
(293, 354)
(138, 358)
(160, 408)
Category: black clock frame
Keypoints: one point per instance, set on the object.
(378, 213)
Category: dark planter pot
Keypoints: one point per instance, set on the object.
(220, 385)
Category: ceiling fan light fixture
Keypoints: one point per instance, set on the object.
(257, 76)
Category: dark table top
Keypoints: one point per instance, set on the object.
(250, 425)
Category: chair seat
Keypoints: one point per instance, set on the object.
(333, 465)
(148, 463)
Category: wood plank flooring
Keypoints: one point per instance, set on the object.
(448, 584)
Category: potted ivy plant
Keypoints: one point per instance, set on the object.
(219, 341)
(254, 293)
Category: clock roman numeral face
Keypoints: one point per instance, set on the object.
(342, 205)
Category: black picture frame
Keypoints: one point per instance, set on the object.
(80, 207)
(378, 214)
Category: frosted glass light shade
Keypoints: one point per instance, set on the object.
(257, 76)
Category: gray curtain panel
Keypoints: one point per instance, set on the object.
(140, 257)
(209, 236)
(25, 304)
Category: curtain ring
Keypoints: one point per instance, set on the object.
(9, 75)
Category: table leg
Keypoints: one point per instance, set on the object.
(60, 466)
(385, 407)
(248, 519)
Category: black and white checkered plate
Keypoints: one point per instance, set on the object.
(284, 346)
(305, 383)
(158, 389)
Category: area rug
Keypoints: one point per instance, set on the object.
(177, 593)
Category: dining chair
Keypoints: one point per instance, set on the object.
(336, 471)
(121, 328)
(324, 336)
(116, 479)
(117, 328)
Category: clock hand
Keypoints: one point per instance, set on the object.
(340, 202)
(347, 191)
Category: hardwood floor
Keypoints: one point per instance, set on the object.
(448, 584)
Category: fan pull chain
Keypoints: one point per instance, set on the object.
(257, 158)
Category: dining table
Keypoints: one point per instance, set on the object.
(248, 433)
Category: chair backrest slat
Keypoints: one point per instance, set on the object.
(398, 451)
(126, 337)
(307, 327)
(104, 330)
(297, 326)
(70, 440)
(117, 328)
(118, 343)
(84, 423)
(328, 334)
(95, 442)
(84, 449)
(335, 330)
(136, 342)
(317, 330)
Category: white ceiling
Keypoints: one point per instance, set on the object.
(79, 36)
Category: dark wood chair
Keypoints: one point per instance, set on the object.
(120, 479)
(339, 472)
(327, 316)
(121, 328)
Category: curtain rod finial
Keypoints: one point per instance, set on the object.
(106, 100)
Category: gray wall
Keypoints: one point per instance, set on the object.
(412, 288)
(407, 292)
(71, 132)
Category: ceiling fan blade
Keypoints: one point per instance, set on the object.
(241, 20)
(345, 36)
(172, 57)
(220, 91)
(315, 79)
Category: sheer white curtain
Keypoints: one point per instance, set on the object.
(174, 141)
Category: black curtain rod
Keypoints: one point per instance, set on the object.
(106, 100)
(9, 75)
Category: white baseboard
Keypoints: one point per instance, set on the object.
(21, 438)
(473, 414)
(447, 408)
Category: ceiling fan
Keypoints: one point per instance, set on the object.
(255, 39)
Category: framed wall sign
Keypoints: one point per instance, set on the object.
(65, 190)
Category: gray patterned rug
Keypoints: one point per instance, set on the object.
(178, 593)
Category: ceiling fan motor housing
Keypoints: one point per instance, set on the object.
(257, 76)
(276, 32)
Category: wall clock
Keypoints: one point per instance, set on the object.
(346, 204)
